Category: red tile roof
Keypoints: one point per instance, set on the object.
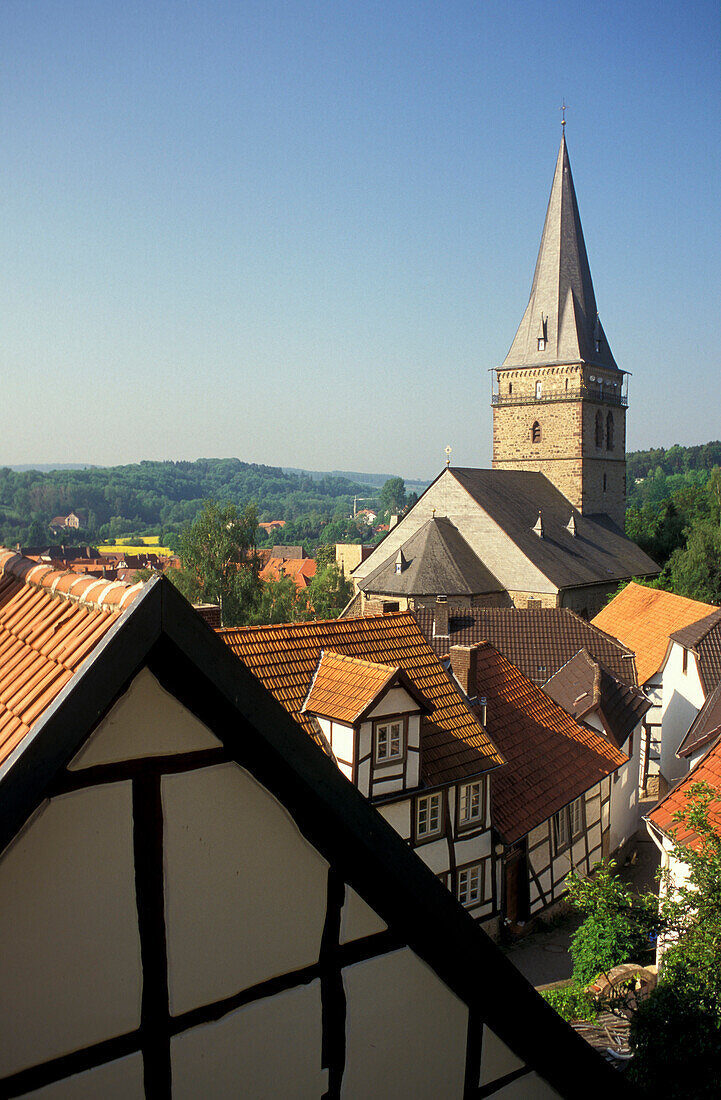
(50, 622)
(284, 658)
(302, 570)
(345, 688)
(551, 759)
(644, 618)
(708, 770)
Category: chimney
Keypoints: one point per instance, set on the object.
(464, 664)
(483, 707)
(440, 618)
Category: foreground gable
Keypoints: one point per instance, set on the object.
(276, 917)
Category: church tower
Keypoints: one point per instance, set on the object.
(559, 400)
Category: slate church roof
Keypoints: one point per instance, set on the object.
(436, 560)
(599, 552)
(562, 305)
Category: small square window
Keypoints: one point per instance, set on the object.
(470, 803)
(429, 815)
(541, 344)
(470, 885)
(389, 741)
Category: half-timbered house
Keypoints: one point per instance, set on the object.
(195, 902)
(550, 804)
(374, 693)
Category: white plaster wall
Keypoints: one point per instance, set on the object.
(245, 892)
(435, 855)
(264, 1051)
(395, 701)
(512, 568)
(357, 918)
(625, 807)
(683, 697)
(398, 814)
(496, 1058)
(119, 1080)
(472, 849)
(69, 943)
(531, 1087)
(145, 721)
(405, 1031)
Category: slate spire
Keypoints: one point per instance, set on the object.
(561, 323)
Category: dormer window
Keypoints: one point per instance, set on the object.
(598, 345)
(389, 740)
(541, 344)
(399, 567)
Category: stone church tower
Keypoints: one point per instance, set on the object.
(559, 401)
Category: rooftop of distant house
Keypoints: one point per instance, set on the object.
(645, 618)
(663, 816)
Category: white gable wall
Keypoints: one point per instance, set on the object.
(625, 811)
(683, 697)
(492, 545)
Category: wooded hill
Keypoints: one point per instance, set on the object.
(160, 497)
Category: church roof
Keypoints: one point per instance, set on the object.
(562, 305)
(599, 551)
(436, 560)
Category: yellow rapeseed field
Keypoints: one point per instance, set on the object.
(151, 547)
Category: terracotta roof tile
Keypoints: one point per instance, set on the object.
(344, 687)
(285, 657)
(644, 619)
(50, 621)
(708, 770)
(551, 759)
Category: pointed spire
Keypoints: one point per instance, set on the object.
(401, 562)
(538, 526)
(571, 525)
(562, 291)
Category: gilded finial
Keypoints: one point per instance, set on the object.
(563, 108)
(448, 456)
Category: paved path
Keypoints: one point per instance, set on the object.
(543, 956)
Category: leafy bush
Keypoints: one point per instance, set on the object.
(572, 1002)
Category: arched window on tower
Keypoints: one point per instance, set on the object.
(599, 429)
(536, 432)
(609, 432)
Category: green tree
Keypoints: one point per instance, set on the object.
(280, 602)
(393, 495)
(696, 570)
(329, 592)
(219, 563)
(676, 1032)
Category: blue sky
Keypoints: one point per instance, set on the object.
(302, 233)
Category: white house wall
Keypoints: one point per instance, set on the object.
(446, 497)
(69, 941)
(625, 811)
(187, 882)
(547, 869)
(683, 697)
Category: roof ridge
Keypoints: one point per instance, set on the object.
(112, 595)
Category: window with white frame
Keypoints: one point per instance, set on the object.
(429, 815)
(568, 824)
(470, 885)
(470, 803)
(389, 741)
